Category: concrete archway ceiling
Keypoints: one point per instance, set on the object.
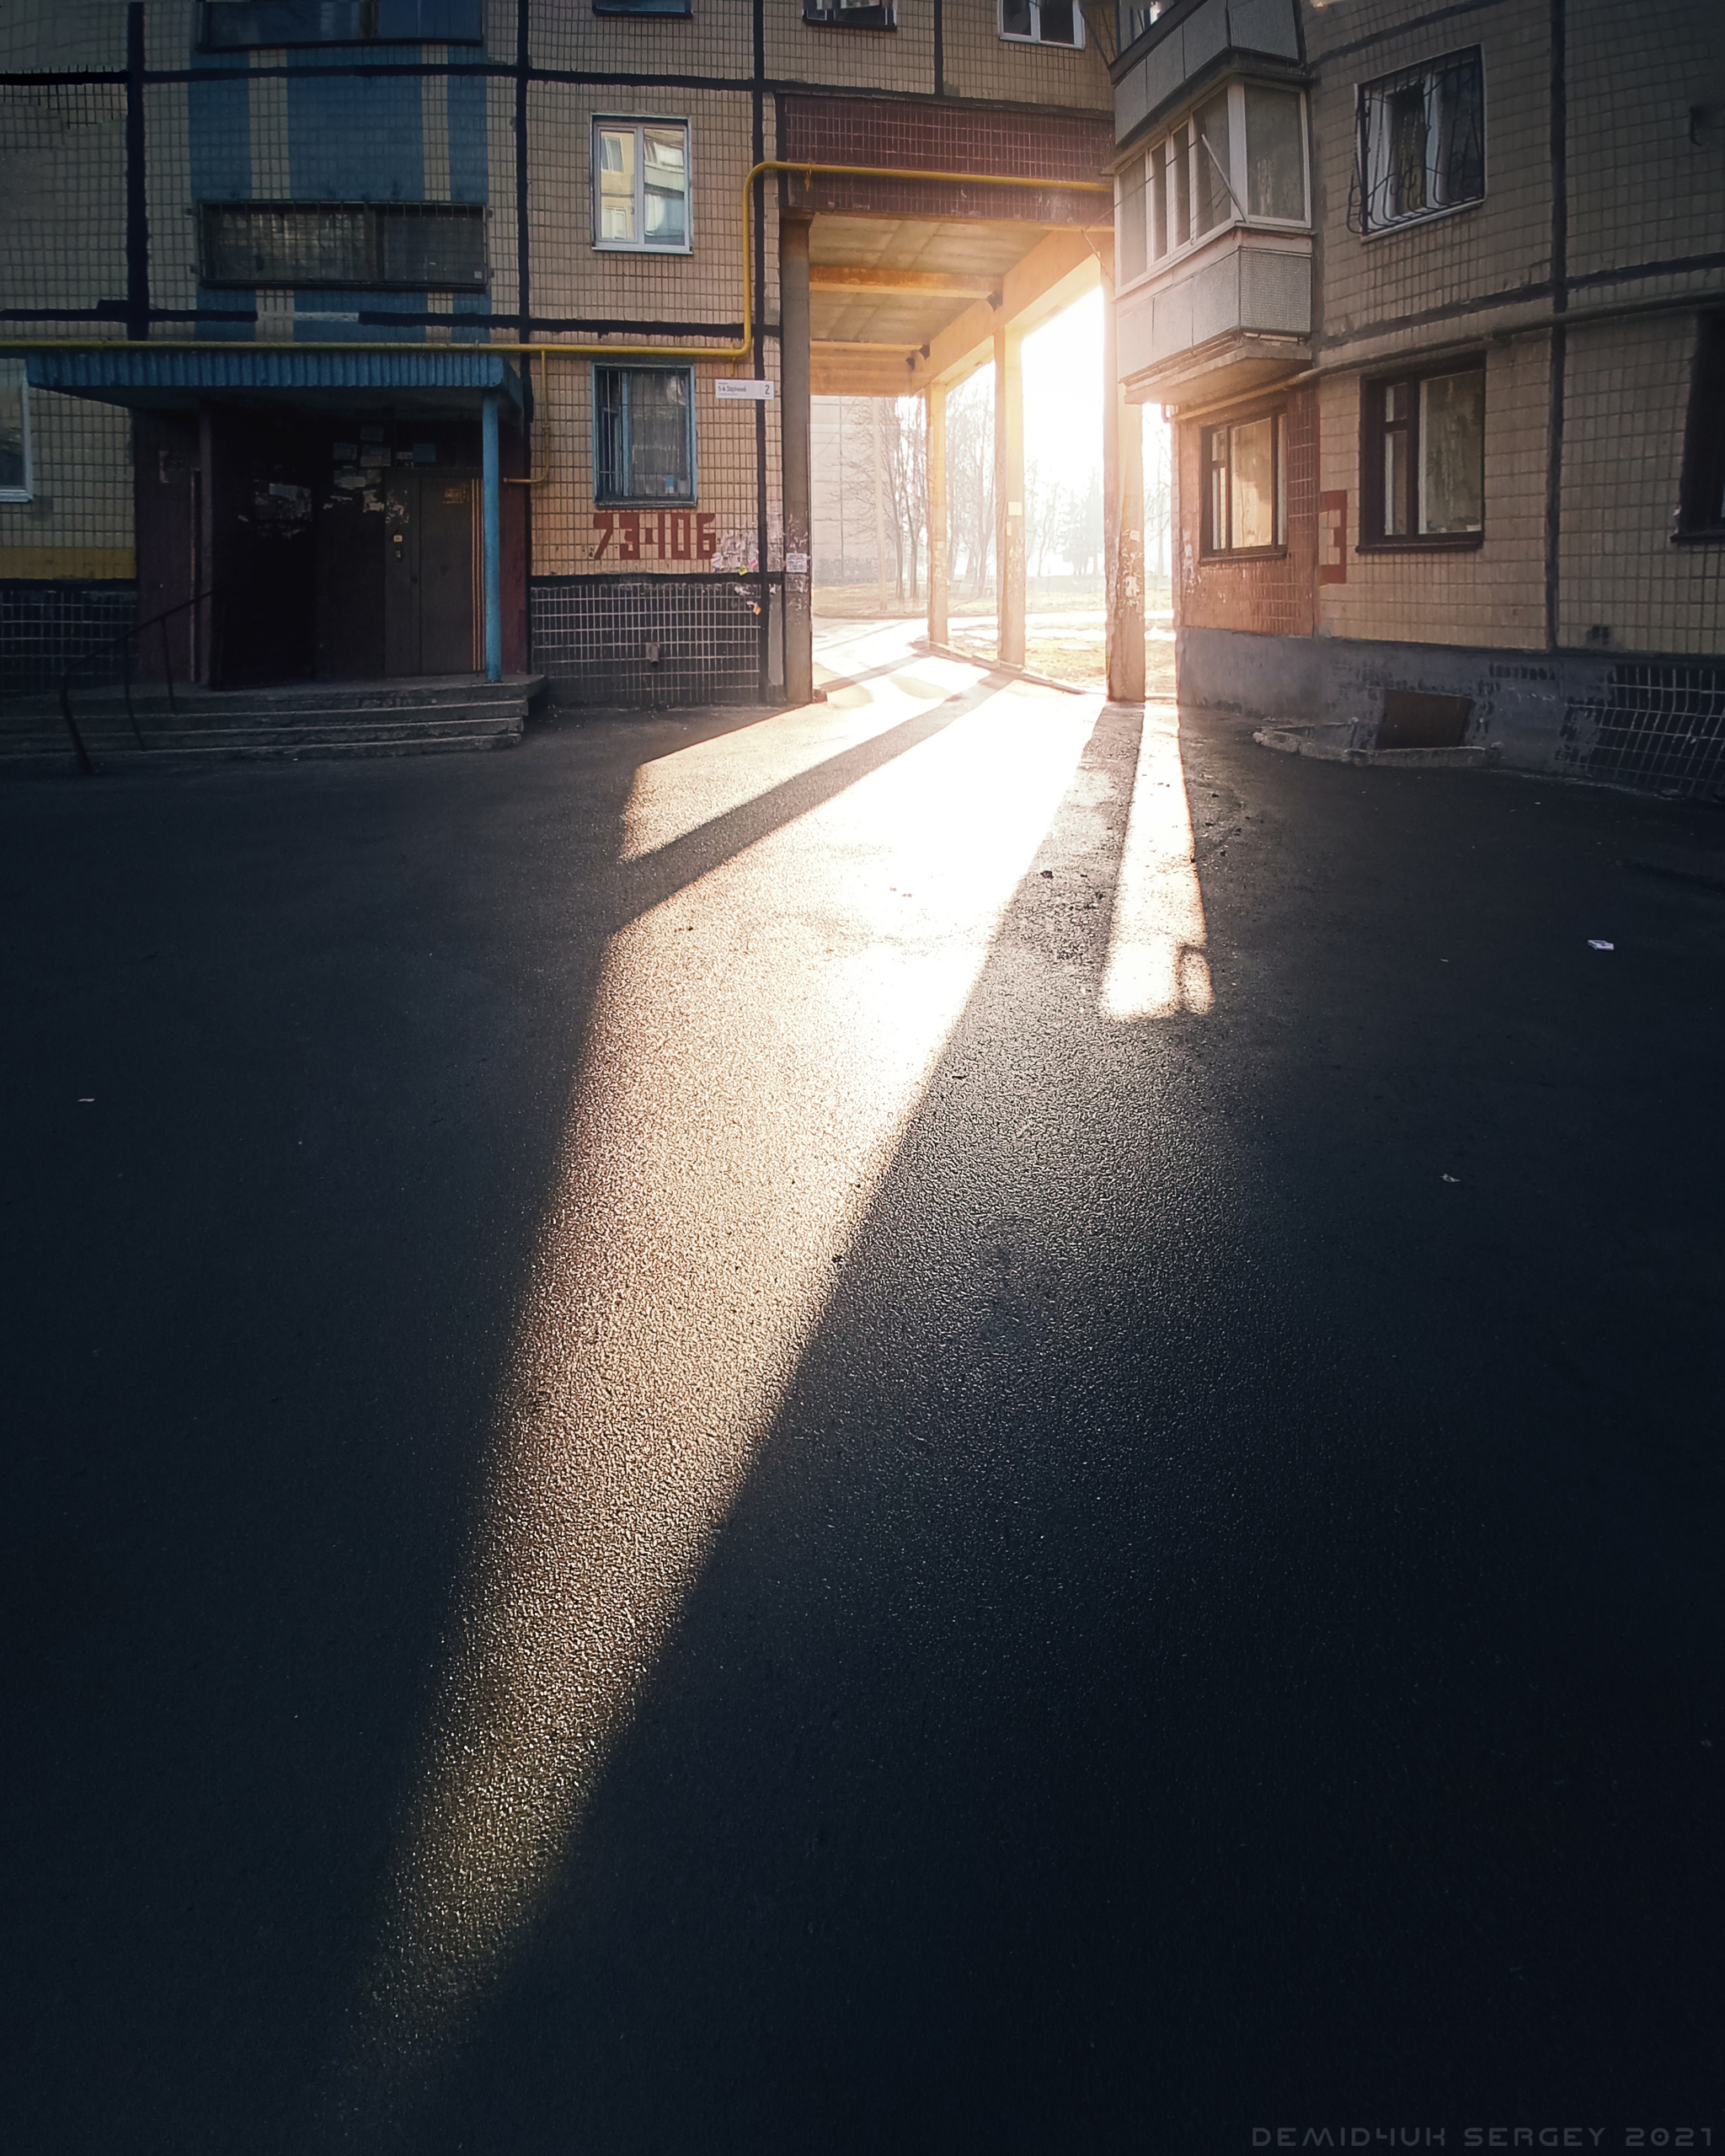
(944, 266)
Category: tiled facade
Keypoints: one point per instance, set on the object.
(1579, 281)
(310, 124)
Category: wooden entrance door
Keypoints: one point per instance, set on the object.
(398, 555)
(431, 552)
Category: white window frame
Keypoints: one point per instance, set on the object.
(639, 121)
(1167, 148)
(1372, 161)
(27, 491)
(1033, 35)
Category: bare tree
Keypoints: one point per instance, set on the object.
(970, 477)
(905, 469)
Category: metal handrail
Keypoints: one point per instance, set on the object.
(124, 640)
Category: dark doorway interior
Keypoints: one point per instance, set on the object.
(342, 546)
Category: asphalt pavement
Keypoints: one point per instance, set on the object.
(962, 1421)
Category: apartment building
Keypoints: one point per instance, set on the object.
(354, 339)
(1435, 295)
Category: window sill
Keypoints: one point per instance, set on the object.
(1713, 535)
(1036, 44)
(1244, 554)
(638, 247)
(1433, 543)
(1420, 218)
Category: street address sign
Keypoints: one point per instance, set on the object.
(729, 389)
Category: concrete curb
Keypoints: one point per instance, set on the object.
(1332, 746)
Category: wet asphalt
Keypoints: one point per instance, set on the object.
(818, 1545)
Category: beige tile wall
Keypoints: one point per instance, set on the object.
(980, 63)
(81, 456)
(900, 60)
(1415, 274)
(1640, 189)
(1493, 595)
(1625, 406)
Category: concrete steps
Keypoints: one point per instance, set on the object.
(295, 724)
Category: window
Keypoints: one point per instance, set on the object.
(368, 246)
(641, 185)
(852, 14)
(14, 431)
(1239, 159)
(1042, 22)
(1423, 459)
(239, 25)
(1246, 488)
(1702, 510)
(1422, 142)
(1132, 23)
(643, 434)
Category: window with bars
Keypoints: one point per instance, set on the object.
(641, 185)
(1239, 160)
(364, 246)
(14, 431)
(1422, 142)
(1246, 487)
(243, 26)
(1042, 22)
(1423, 458)
(643, 434)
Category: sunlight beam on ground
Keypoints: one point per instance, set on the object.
(1157, 963)
(758, 1044)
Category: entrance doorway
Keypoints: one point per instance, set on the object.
(340, 547)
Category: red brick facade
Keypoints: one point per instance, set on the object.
(887, 131)
(1276, 595)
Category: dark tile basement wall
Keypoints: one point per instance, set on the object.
(44, 626)
(592, 634)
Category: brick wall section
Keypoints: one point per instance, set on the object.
(1492, 594)
(1413, 285)
(876, 131)
(1270, 597)
(981, 63)
(1624, 412)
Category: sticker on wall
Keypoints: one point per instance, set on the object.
(1332, 538)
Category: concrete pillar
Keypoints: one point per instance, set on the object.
(1009, 493)
(794, 423)
(939, 557)
(491, 530)
(1122, 523)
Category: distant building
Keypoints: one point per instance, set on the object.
(1437, 297)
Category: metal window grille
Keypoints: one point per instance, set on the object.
(1661, 727)
(368, 246)
(1422, 142)
(643, 434)
(243, 25)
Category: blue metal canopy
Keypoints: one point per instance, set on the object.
(134, 374)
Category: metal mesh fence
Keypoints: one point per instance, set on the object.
(1661, 727)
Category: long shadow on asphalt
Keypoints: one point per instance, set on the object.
(292, 1068)
(1219, 1637)
(1216, 1638)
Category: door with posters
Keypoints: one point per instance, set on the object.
(399, 555)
